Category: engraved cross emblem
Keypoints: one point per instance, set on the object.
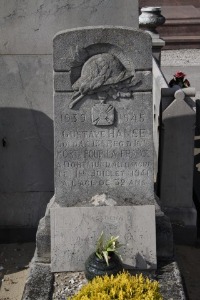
(102, 114)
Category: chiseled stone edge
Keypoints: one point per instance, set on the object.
(40, 282)
(170, 280)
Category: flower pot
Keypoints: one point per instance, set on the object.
(95, 266)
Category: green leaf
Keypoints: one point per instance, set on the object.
(99, 255)
(105, 254)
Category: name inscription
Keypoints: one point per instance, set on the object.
(105, 156)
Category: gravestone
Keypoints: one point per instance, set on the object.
(103, 145)
(177, 159)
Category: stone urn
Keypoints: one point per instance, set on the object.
(151, 18)
(94, 266)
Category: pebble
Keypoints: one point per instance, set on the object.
(67, 284)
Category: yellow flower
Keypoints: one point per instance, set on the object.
(120, 287)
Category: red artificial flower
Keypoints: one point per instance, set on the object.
(179, 74)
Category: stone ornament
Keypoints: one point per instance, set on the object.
(103, 75)
(102, 114)
(100, 72)
(151, 18)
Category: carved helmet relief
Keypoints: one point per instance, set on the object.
(101, 73)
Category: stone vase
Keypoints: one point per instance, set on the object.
(95, 266)
(151, 18)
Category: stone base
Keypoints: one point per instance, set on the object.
(75, 230)
(185, 216)
(40, 282)
(164, 235)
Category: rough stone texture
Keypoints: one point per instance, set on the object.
(40, 282)
(43, 236)
(115, 158)
(169, 277)
(74, 232)
(62, 81)
(73, 47)
(40, 21)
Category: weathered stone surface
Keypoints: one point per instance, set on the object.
(62, 81)
(43, 236)
(34, 24)
(74, 232)
(104, 147)
(40, 282)
(73, 47)
(170, 280)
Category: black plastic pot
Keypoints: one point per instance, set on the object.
(95, 266)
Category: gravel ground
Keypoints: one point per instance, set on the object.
(67, 284)
(182, 57)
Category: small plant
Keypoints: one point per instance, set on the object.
(121, 287)
(104, 249)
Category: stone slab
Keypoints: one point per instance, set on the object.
(34, 24)
(104, 147)
(177, 155)
(74, 232)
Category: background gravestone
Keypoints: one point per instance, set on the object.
(103, 138)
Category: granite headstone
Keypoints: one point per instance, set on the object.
(103, 126)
